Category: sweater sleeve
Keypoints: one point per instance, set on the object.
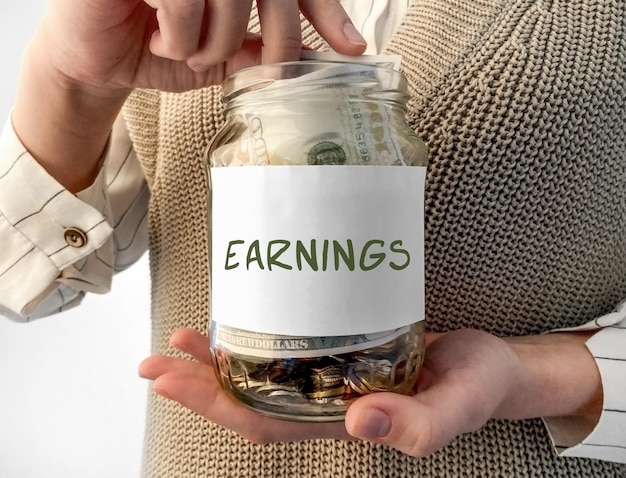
(607, 439)
(57, 245)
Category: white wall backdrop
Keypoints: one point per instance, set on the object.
(71, 403)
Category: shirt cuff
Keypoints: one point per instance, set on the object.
(606, 439)
(44, 221)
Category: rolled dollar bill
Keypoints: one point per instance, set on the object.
(356, 132)
(244, 342)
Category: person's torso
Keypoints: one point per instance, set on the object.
(521, 103)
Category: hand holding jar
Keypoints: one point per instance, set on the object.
(467, 378)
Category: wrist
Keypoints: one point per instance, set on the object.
(63, 123)
(557, 377)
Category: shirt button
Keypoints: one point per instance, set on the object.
(75, 237)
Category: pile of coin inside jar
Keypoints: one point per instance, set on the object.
(322, 380)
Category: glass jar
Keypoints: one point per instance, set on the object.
(317, 278)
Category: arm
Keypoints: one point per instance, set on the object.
(86, 58)
(602, 438)
(77, 72)
(469, 377)
(63, 125)
(61, 245)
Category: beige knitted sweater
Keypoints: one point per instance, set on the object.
(522, 104)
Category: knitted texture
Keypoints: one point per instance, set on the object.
(522, 104)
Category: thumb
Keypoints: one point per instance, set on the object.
(408, 424)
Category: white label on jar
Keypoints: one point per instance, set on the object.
(317, 250)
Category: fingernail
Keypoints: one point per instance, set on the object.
(353, 35)
(373, 423)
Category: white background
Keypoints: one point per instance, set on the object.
(71, 403)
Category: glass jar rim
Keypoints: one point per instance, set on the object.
(269, 76)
